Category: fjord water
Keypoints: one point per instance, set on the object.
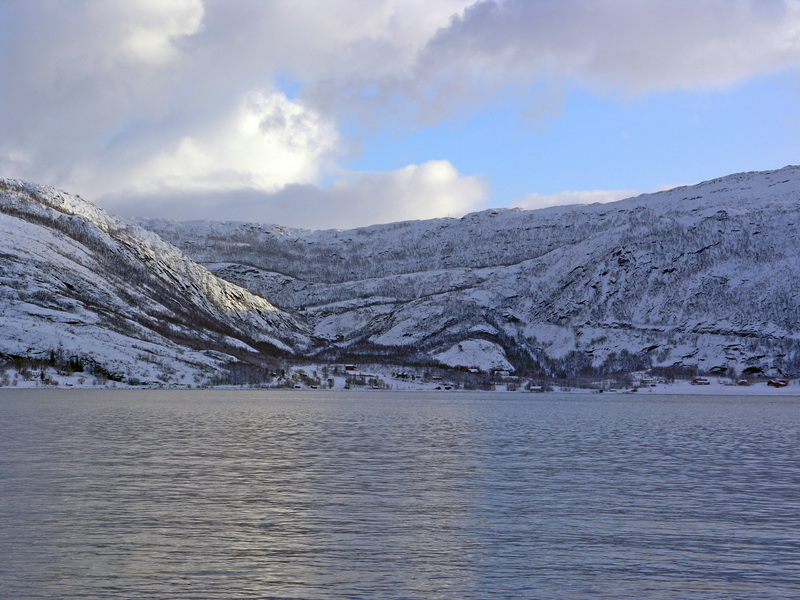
(391, 495)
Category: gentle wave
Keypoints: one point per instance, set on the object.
(390, 495)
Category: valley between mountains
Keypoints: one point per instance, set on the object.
(698, 280)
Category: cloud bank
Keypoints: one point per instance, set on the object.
(433, 189)
(247, 110)
(608, 46)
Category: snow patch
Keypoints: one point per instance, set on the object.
(476, 353)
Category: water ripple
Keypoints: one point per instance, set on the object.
(272, 495)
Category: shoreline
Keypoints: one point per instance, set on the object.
(678, 388)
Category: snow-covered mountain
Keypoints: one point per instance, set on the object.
(706, 275)
(81, 288)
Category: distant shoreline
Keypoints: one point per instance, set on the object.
(678, 388)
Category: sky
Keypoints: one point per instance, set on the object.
(345, 113)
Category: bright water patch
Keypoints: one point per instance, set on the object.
(389, 495)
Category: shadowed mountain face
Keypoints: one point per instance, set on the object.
(76, 282)
(703, 276)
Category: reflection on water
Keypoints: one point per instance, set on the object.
(389, 495)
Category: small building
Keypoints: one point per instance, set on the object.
(777, 383)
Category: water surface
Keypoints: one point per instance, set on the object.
(390, 495)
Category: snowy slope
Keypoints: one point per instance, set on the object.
(705, 275)
(75, 281)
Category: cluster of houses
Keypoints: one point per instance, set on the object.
(357, 378)
(776, 383)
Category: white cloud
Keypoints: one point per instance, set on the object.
(332, 39)
(120, 99)
(533, 201)
(268, 142)
(432, 189)
(80, 77)
(155, 26)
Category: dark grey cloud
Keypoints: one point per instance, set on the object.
(634, 46)
(529, 47)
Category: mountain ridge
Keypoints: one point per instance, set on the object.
(110, 288)
(700, 278)
(588, 268)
